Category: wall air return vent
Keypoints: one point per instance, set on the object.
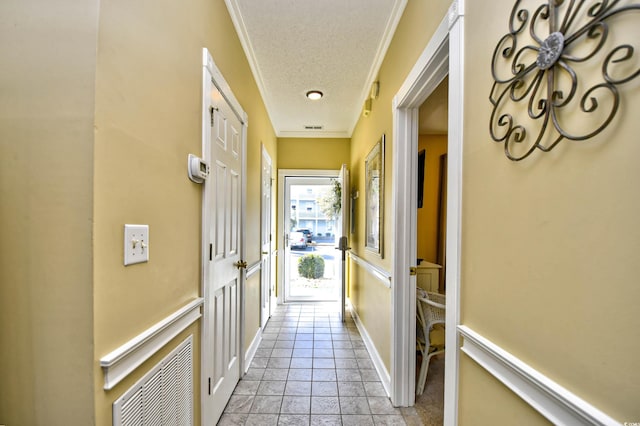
(164, 396)
(313, 127)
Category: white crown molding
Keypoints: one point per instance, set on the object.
(385, 378)
(383, 276)
(556, 403)
(243, 35)
(122, 361)
(389, 31)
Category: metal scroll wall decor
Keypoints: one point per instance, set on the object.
(537, 91)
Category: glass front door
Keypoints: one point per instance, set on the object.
(311, 260)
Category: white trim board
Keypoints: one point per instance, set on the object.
(554, 402)
(280, 245)
(243, 35)
(211, 75)
(389, 32)
(223, 86)
(253, 268)
(383, 276)
(163, 391)
(375, 356)
(119, 363)
(444, 54)
(251, 350)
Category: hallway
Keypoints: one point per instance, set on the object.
(311, 369)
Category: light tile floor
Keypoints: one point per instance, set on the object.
(312, 369)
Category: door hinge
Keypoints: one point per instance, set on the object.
(210, 251)
(413, 270)
(209, 385)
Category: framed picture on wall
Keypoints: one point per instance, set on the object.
(374, 198)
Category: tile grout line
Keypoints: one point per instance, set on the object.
(339, 333)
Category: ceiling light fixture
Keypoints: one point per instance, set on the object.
(314, 95)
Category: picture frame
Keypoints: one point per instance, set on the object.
(374, 198)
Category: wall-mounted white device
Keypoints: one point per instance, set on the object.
(136, 244)
(198, 168)
(366, 109)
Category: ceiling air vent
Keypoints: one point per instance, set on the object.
(313, 127)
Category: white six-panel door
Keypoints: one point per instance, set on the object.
(222, 242)
(265, 240)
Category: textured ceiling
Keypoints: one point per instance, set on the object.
(335, 46)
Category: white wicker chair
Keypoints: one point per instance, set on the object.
(430, 310)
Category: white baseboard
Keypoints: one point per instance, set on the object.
(251, 350)
(556, 403)
(385, 378)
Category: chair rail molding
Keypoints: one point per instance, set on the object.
(556, 403)
(123, 360)
(253, 268)
(383, 276)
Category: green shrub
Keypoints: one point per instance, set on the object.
(311, 266)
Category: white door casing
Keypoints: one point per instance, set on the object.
(265, 239)
(444, 54)
(283, 220)
(310, 180)
(342, 242)
(224, 142)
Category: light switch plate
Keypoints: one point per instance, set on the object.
(136, 244)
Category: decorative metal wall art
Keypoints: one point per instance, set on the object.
(535, 65)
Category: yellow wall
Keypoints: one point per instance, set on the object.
(310, 153)
(419, 21)
(550, 244)
(365, 293)
(101, 105)
(313, 153)
(148, 118)
(252, 313)
(435, 146)
(484, 401)
(46, 177)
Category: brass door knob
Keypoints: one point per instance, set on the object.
(240, 264)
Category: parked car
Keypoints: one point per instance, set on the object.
(307, 233)
(297, 240)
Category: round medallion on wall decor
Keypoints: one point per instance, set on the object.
(557, 73)
(550, 50)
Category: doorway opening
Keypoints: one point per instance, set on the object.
(431, 253)
(311, 270)
(443, 56)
